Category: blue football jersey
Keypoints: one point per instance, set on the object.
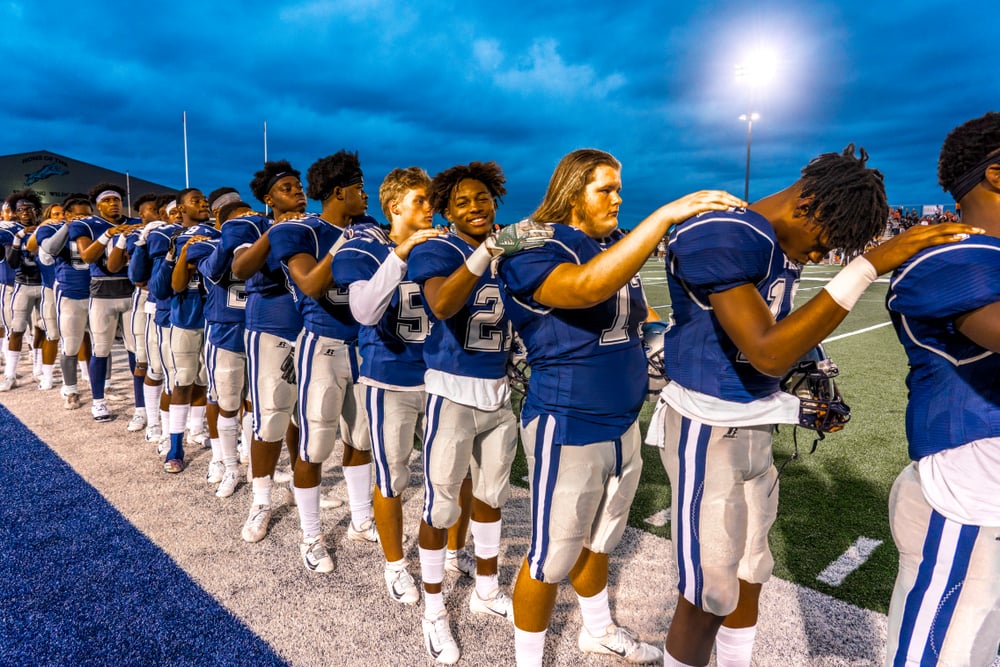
(187, 307)
(91, 228)
(71, 273)
(7, 232)
(270, 306)
(954, 383)
(713, 252)
(588, 370)
(392, 350)
(330, 315)
(157, 245)
(475, 341)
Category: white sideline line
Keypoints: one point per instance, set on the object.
(659, 519)
(849, 561)
(859, 331)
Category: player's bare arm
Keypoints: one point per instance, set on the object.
(773, 347)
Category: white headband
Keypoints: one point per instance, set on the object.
(105, 195)
(227, 198)
(171, 206)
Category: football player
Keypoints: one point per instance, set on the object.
(732, 277)
(272, 324)
(52, 215)
(577, 304)
(27, 294)
(943, 510)
(72, 277)
(469, 423)
(326, 354)
(110, 292)
(372, 266)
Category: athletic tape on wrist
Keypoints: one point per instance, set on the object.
(847, 286)
(479, 260)
(103, 238)
(121, 242)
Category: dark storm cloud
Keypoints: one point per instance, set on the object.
(437, 84)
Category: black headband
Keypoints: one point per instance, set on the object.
(351, 179)
(277, 177)
(964, 184)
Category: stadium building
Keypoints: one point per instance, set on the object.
(54, 177)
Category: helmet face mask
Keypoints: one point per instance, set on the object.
(652, 344)
(811, 380)
(517, 366)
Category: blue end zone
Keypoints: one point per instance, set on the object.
(80, 585)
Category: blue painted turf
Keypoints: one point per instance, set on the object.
(79, 585)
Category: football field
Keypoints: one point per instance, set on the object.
(832, 532)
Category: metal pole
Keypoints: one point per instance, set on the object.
(128, 191)
(746, 187)
(187, 182)
(265, 141)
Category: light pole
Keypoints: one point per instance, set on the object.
(749, 118)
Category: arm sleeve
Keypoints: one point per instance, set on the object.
(370, 298)
(55, 243)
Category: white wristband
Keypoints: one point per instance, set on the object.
(16, 244)
(852, 281)
(121, 242)
(479, 260)
(103, 238)
(338, 244)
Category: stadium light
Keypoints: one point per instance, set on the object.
(756, 71)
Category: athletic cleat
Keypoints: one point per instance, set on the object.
(244, 452)
(100, 413)
(227, 486)
(163, 446)
(173, 466)
(137, 423)
(367, 532)
(329, 501)
(402, 587)
(44, 384)
(255, 528)
(462, 563)
(498, 604)
(71, 401)
(199, 439)
(619, 641)
(315, 556)
(438, 641)
(215, 472)
(7, 383)
(153, 433)
(281, 476)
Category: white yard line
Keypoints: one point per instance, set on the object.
(859, 331)
(659, 519)
(849, 561)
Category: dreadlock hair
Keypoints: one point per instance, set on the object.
(488, 173)
(397, 183)
(331, 172)
(28, 194)
(967, 145)
(568, 182)
(264, 179)
(845, 199)
(101, 187)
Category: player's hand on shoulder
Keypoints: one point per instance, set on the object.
(418, 237)
(898, 249)
(704, 200)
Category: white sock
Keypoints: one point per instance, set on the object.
(486, 537)
(596, 613)
(196, 419)
(308, 502)
(396, 565)
(178, 417)
(151, 395)
(359, 492)
(431, 565)
(433, 604)
(734, 646)
(165, 419)
(529, 647)
(216, 448)
(47, 371)
(486, 585)
(228, 428)
(262, 487)
(12, 359)
(671, 661)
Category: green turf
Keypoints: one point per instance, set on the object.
(830, 498)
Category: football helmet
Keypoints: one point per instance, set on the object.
(517, 366)
(652, 345)
(811, 380)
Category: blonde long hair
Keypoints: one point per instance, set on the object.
(568, 182)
